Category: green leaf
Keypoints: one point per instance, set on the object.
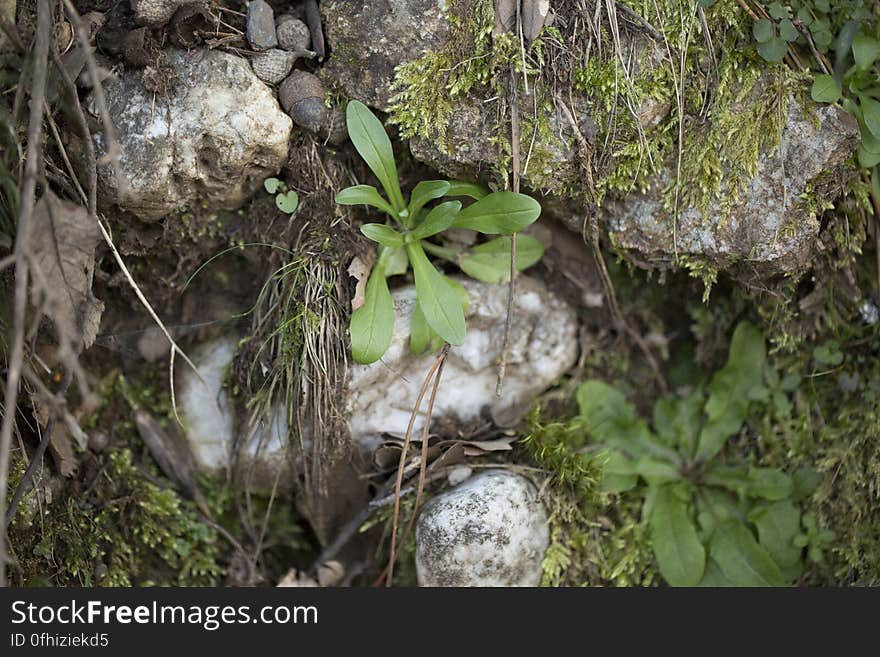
(868, 159)
(740, 558)
(499, 213)
(396, 262)
(778, 524)
(372, 325)
(777, 11)
(728, 403)
(773, 50)
(870, 114)
(287, 202)
(364, 195)
(866, 50)
(438, 219)
(733, 478)
(461, 188)
(425, 192)
(369, 138)
(619, 474)
(384, 235)
(655, 471)
(768, 483)
(421, 336)
(438, 299)
(271, 185)
(610, 418)
(825, 89)
(680, 555)
(787, 30)
(490, 262)
(805, 481)
(762, 30)
(713, 577)
(677, 420)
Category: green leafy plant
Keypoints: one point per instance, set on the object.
(286, 199)
(716, 519)
(842, 40)
(410, 234)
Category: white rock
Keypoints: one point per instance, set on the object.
(492, 530)
(210, 419)
(211, 143)
(543, 345)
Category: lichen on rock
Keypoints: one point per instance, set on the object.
(490, 530)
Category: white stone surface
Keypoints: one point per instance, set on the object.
(210, 420)
(543, 346)
(491, 530)
(210, 143)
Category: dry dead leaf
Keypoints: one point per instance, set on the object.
(294, 578)
(534, 16)
(62, 451)
(330, 573)
(505, 17)
(62, 253)
(359, 269)
(173, 455)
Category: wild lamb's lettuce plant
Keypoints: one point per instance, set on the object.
(409, 235)
(715, 519)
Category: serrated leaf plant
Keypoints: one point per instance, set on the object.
(412, 233)
(715, 518)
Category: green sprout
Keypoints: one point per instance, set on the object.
(410, 233)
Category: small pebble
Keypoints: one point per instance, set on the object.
(261, 25)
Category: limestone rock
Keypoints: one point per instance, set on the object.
(543, 345)
(768, 228)
(212, 142)
(211, 422)
(491, 530)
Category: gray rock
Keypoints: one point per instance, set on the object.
(261, 25)
(543, 346)
(491, 530)
(769, 229)
(212, 141)
(369, 39)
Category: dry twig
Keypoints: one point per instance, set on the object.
(28, 199)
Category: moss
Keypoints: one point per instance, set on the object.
(431, 88)
(123, 531)
(702, 269)
(428, 87)
(594, 538)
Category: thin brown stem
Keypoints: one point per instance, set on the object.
(22, 244)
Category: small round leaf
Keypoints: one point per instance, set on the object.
(287, 202)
